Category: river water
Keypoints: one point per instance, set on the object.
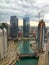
(24, 48)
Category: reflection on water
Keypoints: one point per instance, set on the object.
(24, 47)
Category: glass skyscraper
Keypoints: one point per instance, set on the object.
(26, 27)
(41, 34)
(14, 26)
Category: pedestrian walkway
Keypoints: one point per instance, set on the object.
(42, 58)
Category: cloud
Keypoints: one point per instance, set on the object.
(21, 8)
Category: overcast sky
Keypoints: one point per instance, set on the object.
(22, 8)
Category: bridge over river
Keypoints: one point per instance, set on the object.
(26, 51)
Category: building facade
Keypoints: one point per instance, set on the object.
(26, 27)
(13, 26)
(3, 43)
(41, 34)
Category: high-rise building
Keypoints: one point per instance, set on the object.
(5, 25)
(3, 43)
(13, 26)
(5, 40)
(41, 34)
(26, 27)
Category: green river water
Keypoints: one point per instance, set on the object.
(24, 48)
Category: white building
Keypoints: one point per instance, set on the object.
(3, 43)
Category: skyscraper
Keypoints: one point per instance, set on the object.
(13, 26)
(26, 27)
(41, 34)
(3, 43)
(1, 49)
